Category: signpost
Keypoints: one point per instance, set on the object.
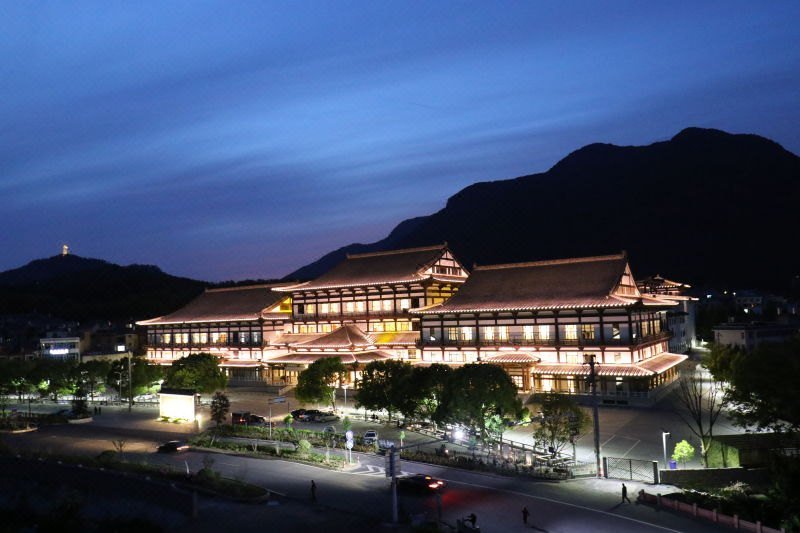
(277, 399)
(349, 445)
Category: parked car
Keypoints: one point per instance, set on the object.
(258, 420)
(370, 437)
(240, 418)
(326, 417)
(173, 446)
(420, 483)
(297, 413)
(329, 429)
(310, 415)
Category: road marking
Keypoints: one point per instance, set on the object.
(575, 505)
(609, 439)
(632, 447)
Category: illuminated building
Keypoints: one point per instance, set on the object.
(372, 294)
(680, 318)
(541, 321)
(235, 323)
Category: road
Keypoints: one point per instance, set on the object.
(579, 505)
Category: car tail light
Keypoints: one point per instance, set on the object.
(434, 485)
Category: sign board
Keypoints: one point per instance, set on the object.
(278, 399)
(349, 444)
(348, 435)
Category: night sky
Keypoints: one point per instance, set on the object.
(244, 139)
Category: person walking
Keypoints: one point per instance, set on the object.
(313, 491)
(525, 514)
(625, 494)
(472, 518)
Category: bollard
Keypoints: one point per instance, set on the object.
(736, 521)
(658, 500)
(758, 526)
(715, 515)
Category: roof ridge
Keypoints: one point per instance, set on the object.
(397, 252)
(249, 287)
(566, 261)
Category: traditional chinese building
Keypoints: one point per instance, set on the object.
(372, 295)
(542, 320)
(681, 317)
(236, 323)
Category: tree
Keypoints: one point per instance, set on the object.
(317, 383)
(54, 377)
(346, 424)
(428, 384)
(199, 371)
(683, 452)
(474, 393)
(699, 406)
(387, 385)
(762, 384)
(220, 405)
(93, 374)
(561, 420)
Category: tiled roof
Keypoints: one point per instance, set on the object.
(561, 284)
(304, 358)
(395, 266)
(649, 367)
(513, 357)
(346, 336)
(225, 305)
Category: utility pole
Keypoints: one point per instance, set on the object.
(130, 385)
(393, 473)
(595, 413)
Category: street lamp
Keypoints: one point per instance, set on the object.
(664, 435)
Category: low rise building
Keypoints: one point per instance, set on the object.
(749, 335)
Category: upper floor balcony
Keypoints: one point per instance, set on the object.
(535, 341)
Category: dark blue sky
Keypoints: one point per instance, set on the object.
(245, 139)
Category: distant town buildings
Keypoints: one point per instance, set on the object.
(752, 334)
(540, 321)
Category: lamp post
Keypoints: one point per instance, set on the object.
(664, 435)
(119, 389)
(590, 360)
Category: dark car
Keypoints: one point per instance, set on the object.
(173, 446)
(297, 413)
(420, 483)
(310, 415)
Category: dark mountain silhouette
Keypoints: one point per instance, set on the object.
(79, 288)
(706, 207)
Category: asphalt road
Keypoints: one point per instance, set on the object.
(581, 505)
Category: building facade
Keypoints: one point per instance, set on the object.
(749, 335)
(543, 321)
(238, 324)
(681, 318)
(540, 321)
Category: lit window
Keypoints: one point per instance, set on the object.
(405, 303)
(349, 307)
(502, 333)
(375, 305)
(324, 309)
(390, 326)
(335, 308)
(361, 306)
(527, 333)
(388, 305)
(376, 326)
(544, 332)
(488, 333)
(587, 331)
(571, 332)
(616, 333)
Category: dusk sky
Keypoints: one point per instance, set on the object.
(230, 140)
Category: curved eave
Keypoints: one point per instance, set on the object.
(311, 288)
(422, 311)
(160, 322)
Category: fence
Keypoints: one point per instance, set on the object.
(632, 469)
(711, 515)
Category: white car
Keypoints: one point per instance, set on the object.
(370, 437)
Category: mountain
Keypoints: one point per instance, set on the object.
(705, 207)
(79, 288)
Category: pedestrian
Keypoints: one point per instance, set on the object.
(313, 491)
(525, 514)
(625, 494)
(472, 518)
